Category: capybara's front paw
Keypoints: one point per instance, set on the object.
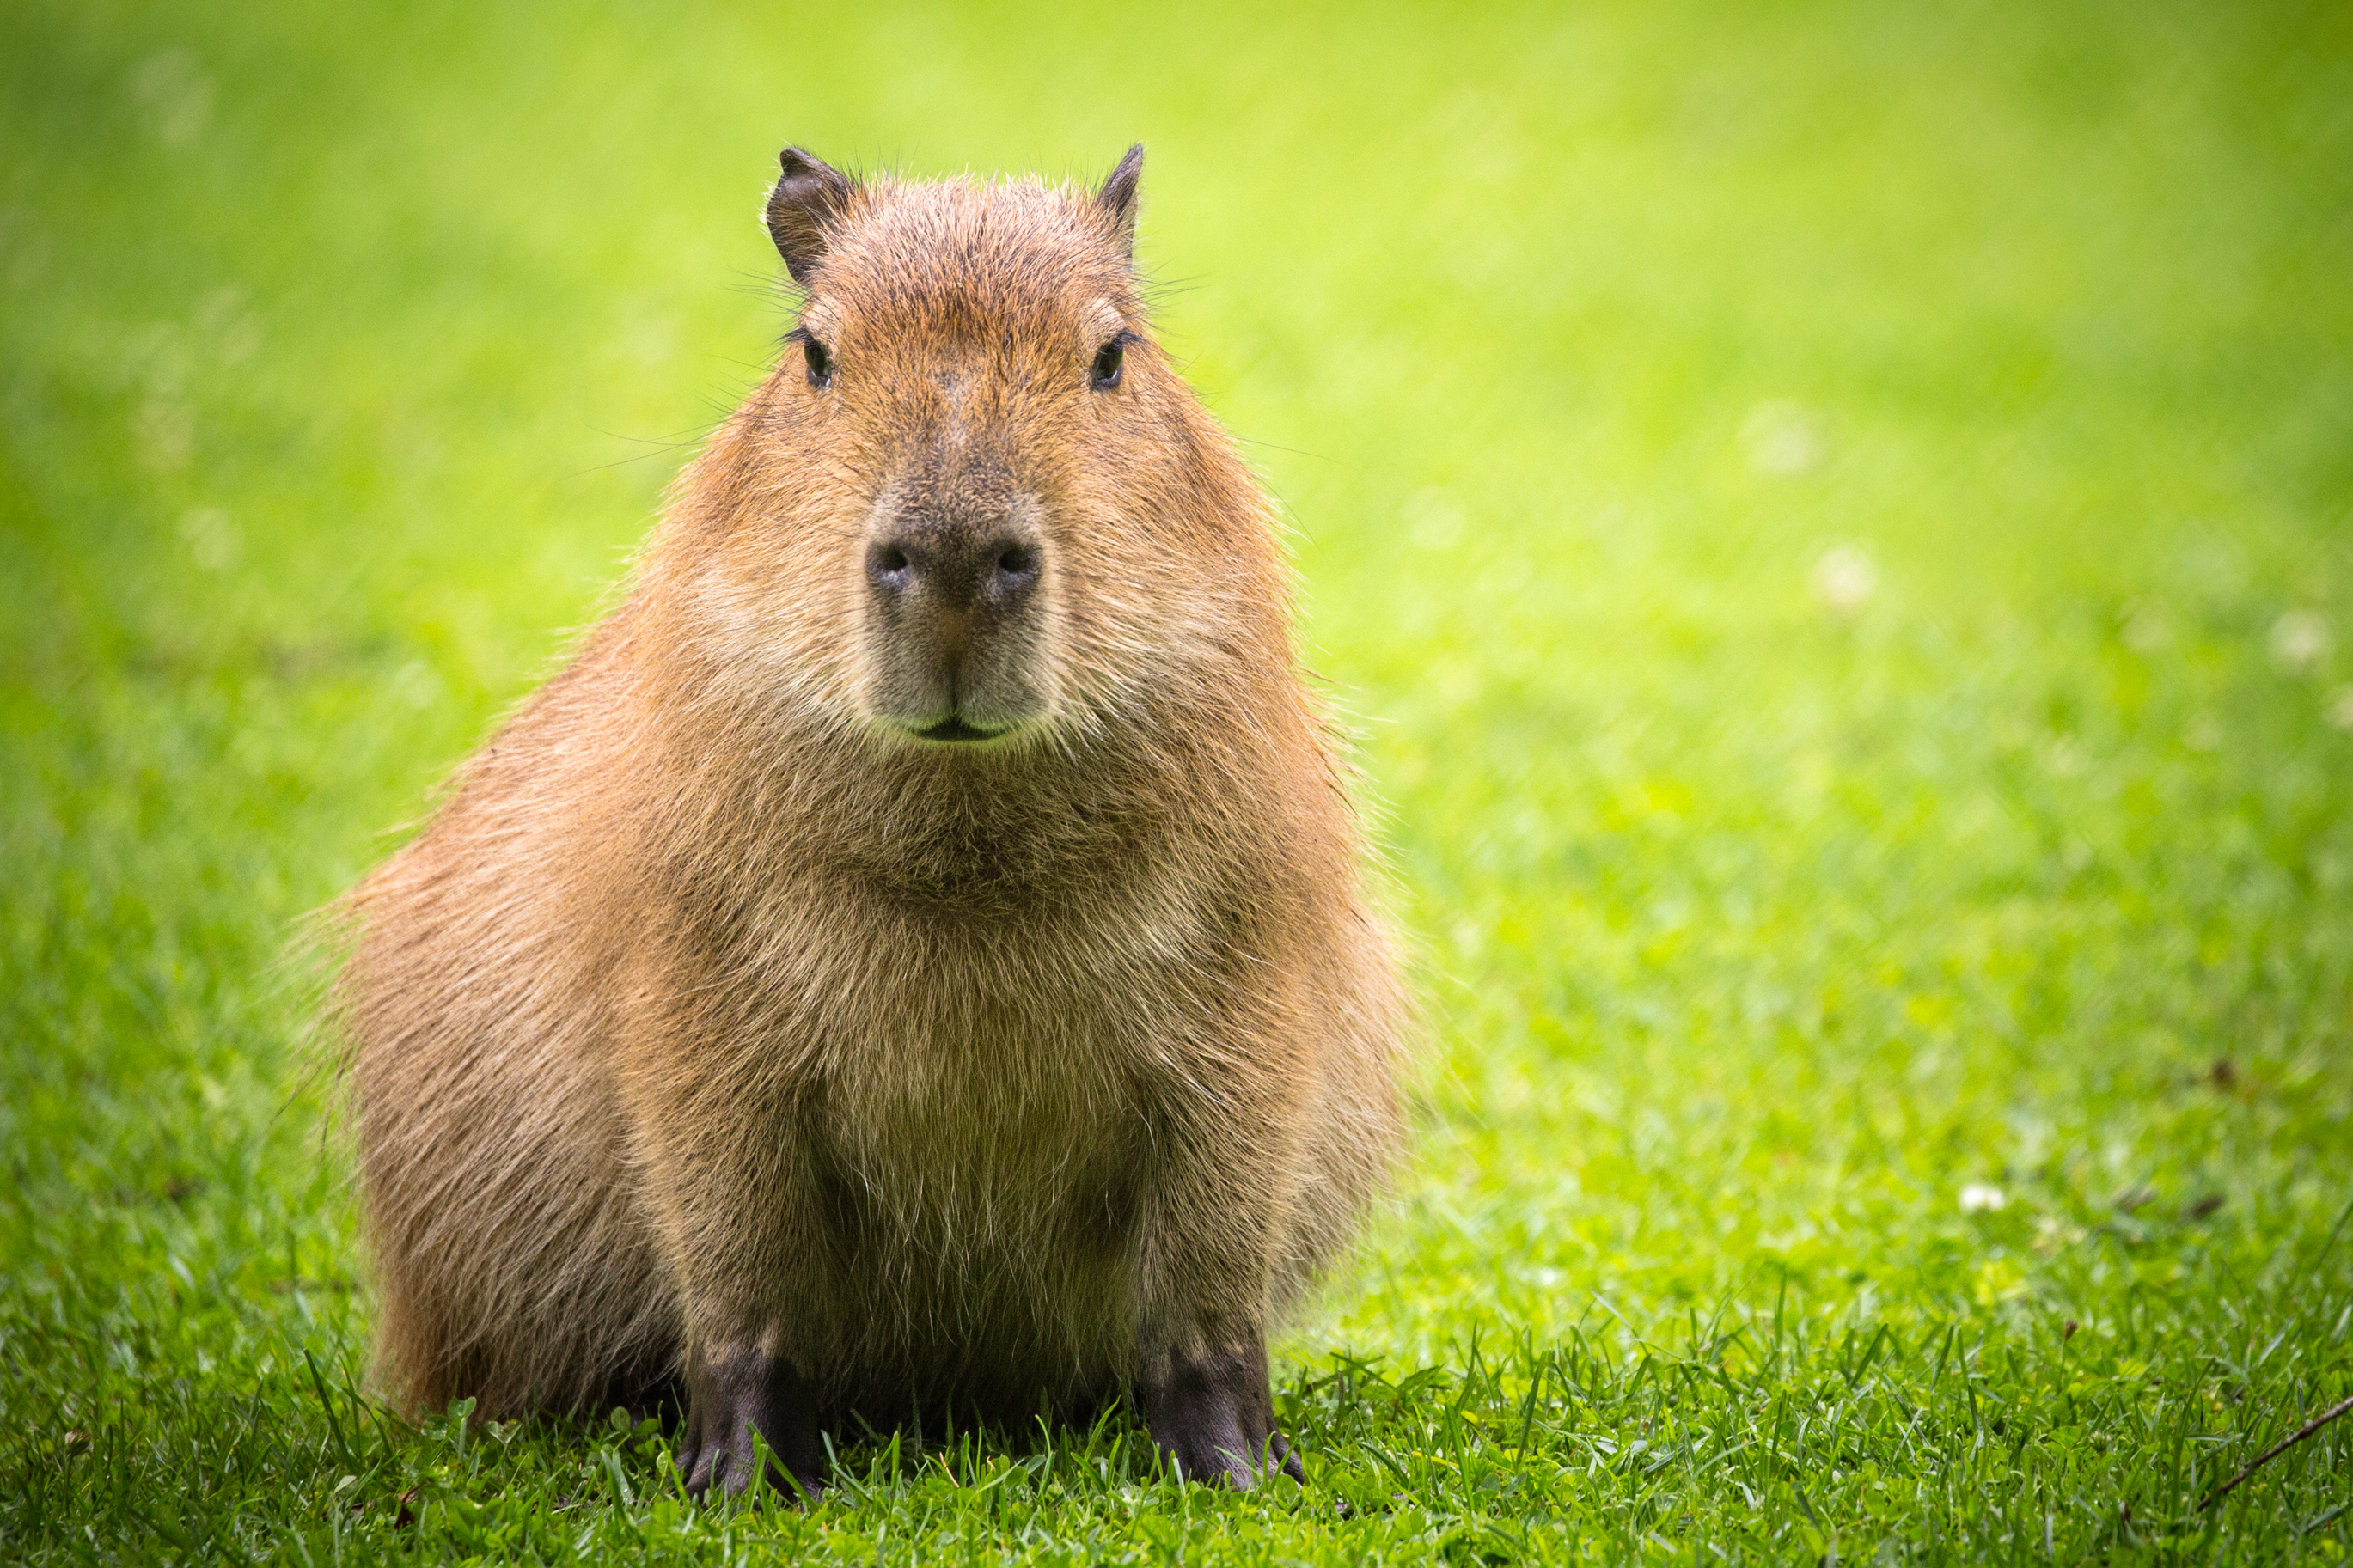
(733, 1395)
(1211, 1415)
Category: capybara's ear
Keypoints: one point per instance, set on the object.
(1117, 197)
(810, 195)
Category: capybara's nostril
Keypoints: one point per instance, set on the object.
(1016, 569)
(890, 568)
(956, 573)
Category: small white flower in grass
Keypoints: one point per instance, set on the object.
(1434, 518)
(2340, 707)
(2051, 1233)
(2146, 627)
(163, 433)
(1844, 579)
(2299, 641)
(416, 683)
(1981, 1198)
(211, 537)
(177, 95)
(1781, 438)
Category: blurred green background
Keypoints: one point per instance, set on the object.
(1833, 523)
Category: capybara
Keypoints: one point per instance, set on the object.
(917, 955)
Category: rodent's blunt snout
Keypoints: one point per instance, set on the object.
(992, 571)
(955, 647)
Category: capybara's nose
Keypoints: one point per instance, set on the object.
(955, 569)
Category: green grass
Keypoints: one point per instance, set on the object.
(1830, 520)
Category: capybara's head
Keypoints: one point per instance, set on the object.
(974, 505)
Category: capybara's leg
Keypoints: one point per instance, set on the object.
(1212, 1412)
(738, 1215)
(1209, 1247)
(733, 1395)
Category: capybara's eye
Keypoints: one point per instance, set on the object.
(820, 363)
(1103, 375)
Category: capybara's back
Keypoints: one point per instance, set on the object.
(916, 954)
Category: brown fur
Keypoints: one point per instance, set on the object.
(714, 1014)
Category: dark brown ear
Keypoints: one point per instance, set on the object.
(1117, 197)
(807, 200)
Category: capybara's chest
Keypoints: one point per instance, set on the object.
(991, 1131)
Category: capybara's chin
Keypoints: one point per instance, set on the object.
(959, 703)
(917, 953)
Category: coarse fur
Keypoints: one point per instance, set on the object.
(725, 1017)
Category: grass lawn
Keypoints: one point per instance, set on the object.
(1835, 526)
